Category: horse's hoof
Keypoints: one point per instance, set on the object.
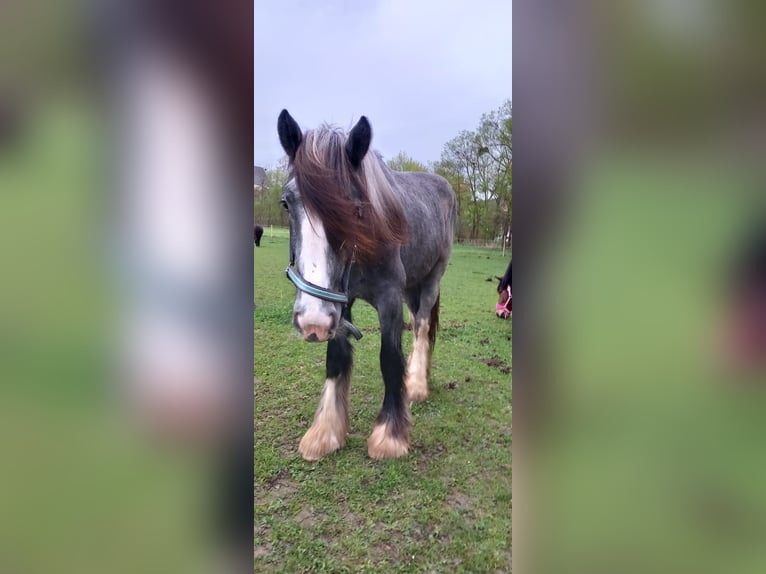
(417, 395)
(382, 444)
(416, 390)
(318, 442)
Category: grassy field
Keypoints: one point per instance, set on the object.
(649, 457)
(75, 485)
(446, 507)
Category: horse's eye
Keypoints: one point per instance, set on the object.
(283, 203)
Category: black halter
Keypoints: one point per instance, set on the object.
(326, 294)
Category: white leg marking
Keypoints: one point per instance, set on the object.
(328, 431)
(381, 444)
(416, 380)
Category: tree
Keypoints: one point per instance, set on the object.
(403, 162)
(266, 207)
(450, 171)
(483, 160)
(463, 154)
(495, 134)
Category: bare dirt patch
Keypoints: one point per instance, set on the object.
(305, 518)
(349, 517)
(459, 501)
(501, 366)
(281, 485)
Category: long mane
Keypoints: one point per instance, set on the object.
(357, 207)
(506, 280)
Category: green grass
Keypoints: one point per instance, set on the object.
(78, 493)
(446, 507)
(650, 456)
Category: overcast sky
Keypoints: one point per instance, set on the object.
(420, 70)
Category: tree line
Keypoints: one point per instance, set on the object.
(477, 163)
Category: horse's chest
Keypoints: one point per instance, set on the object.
(362, 286)
(369, 284)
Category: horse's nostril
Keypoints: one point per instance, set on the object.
(313, 332)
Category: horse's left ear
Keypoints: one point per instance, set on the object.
(290, 135)
(359, 141)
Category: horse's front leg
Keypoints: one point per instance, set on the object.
(391, 436)
(330, 426)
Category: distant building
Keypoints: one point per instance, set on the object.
(259, 177)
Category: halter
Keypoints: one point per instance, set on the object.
(503, 310)
(326, 294)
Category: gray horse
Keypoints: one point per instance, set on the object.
(359, 230)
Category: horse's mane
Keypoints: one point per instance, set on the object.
(357, 207)
(506, 280)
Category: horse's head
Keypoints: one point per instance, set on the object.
(310, 254)
(743, 336)
(331, 200)
(504, 306)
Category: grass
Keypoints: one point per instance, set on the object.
(78, 491)
(446, 507)
(650, 455)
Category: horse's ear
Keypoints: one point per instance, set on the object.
(359, 141)
(290, 135)
(498, 278)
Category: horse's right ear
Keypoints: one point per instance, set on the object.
(358, 143)
(498, 278)
(290, 135)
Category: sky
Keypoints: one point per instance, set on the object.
(420, 70)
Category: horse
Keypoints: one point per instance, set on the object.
(744, 326)
(258, 233)
(504, 306)
(359, 230)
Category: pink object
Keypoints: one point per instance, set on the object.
(504, 310)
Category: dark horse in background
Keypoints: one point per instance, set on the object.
(257, 234)
(504, 307)
(359, 230)
(744, 333)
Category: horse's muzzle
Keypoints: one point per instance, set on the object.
(315, 328)
(317, 333)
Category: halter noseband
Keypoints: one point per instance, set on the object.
(326, 294)
(502, 310)
(315, 290)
